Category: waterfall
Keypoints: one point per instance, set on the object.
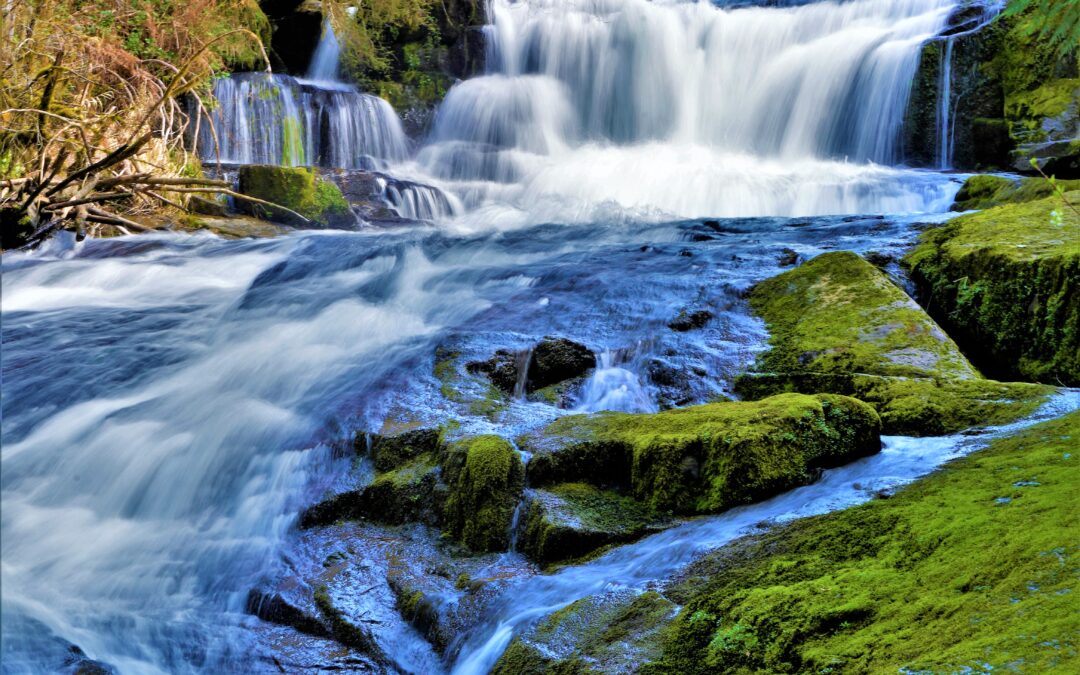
(324, 62)
(944, 123)
(277, 119)
(688, 108)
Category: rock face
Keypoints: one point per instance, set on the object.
(1012, 98)
(838, 324)
(1006, 283)
(707, 458)
(295, 188)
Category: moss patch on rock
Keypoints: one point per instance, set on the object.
(1006, 283)
(838, 324)
(296, 188)
(984, 191)
(972, 568)
(706, 458)
(486, 477)
(572, 520)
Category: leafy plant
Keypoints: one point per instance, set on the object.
(1056, 21)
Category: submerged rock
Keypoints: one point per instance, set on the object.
(838, 324)
(705, 458)
(1006, 284)
(687, 321)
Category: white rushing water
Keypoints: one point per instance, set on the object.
(593, 107)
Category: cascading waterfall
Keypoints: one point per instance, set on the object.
(944, 117)
(324, 62)
(688, 109)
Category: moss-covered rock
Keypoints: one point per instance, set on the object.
(706, 458)
(984, 191)
(486, 477)
(1006, 284)
(390, 452)
(838, 324)
(609, 633)
(409, 493)
(572, 520)
(972, 568)
(296, 188)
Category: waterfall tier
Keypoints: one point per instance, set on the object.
(277, 119)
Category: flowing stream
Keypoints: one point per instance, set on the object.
(171, 402)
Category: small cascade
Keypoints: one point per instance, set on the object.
(522, 361)
(277, 119)
(417, 201)
(944, 118)
(324, 62)
(615, 386)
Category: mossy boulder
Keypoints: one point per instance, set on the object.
(296, 188)
(706, 458)
(1005, 282)
(572, 520)
(391, 452)
(972, 568)
(984, 191)
(838, 324)
(486, 477)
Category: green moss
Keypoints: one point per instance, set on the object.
(481, 399)
(486, 477)
(296, 188)
(1004, 282)
(706, 458)
(973, 567)
(391, 452)
(838, 324)
(984, 191)
(572, 520)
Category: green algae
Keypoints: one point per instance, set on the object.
(973, 567)
(838, 324)
(485, 478)
(706, 458)
(1006, 283)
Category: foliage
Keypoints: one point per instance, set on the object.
(1056, 22)
(96, 84)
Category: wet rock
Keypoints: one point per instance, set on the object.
(348, 633)
(878, 259)
(706, 458)
(787, 258)
(839, 324)
(551, 361)
(687, 321)
(572, 520)
(1005, 282)
(409, 493)
(271, 606)
(391, 452)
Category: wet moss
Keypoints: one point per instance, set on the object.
(485, 478)
(1006, 283)
(970, 569)
(391, 452)
(838, 324)
(706, 458)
